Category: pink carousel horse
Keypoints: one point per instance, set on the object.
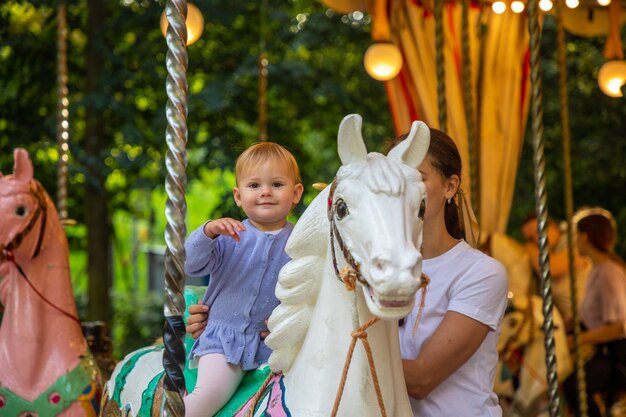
(45, 366)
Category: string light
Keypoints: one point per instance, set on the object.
(498, 7)
(517, 6)
(545, 5)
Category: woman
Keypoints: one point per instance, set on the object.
(450, 354)
(602, 313)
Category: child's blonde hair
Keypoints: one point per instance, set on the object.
(261, 152)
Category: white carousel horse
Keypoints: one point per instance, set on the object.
(364, 229)
(521, 347)
(45, 366)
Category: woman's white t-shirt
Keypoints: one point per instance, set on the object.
(469, 282)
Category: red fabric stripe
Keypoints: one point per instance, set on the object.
(457, 51)
(408, 98)
(392, 106)
(524, 88)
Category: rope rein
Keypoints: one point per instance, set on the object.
(361, 334)
(259, 394)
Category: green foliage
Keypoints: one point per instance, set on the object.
(138, 321)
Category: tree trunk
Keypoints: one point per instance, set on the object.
(97, 219)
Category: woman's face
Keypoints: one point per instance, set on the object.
(438, 188)
(581, 241)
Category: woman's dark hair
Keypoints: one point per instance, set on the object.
(600, 231)
(445, 158)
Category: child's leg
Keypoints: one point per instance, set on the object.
(217, 381)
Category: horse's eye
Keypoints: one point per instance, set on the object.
(420, 214)
(512, 322)
(341, 209)
(21, 211)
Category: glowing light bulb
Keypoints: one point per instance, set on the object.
(517, 6)
(611, 77)
(572, 4)
(604, 2)
(498, 7)
(545, 5)
(194, 21)
(383, 61)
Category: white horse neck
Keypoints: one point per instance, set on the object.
(37, 342)
(313, 380)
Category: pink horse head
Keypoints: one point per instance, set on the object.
(46, 366)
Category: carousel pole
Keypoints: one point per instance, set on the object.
(62, 126)
(469, 110)
(541, 207)
(175, 207)
(439, 58)
(569, 207)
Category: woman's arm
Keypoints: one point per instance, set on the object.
(604, 334)
(456, 339)
(559, 261)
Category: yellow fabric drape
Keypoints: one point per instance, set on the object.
(502, 102)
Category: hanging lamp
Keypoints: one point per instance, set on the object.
(194, 21)
(383, 59)
(612, 74)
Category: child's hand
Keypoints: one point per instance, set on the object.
(224, 226)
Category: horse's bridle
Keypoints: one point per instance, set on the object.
(6, 252)
(348, 275)
(37, 191)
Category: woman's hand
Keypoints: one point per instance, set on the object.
(197, 319)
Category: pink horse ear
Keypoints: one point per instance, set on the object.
(22, 167)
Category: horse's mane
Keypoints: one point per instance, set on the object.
(299, 280)
(298, 284)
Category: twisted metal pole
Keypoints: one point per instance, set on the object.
(569, 207)
(63, 125)
(474, 159)
(541, 207)
(175, 207)
(439, 58)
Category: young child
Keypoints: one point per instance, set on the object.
(244, 259)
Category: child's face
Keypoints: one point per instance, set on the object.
(266, 193)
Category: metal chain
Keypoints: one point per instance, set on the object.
(175, 207)
(439, 58)
(263, 67)
(569, 207)
(541, 207)
(62, 111)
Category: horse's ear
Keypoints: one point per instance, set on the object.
(350, 143)
(413, 149)
(22, 166)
